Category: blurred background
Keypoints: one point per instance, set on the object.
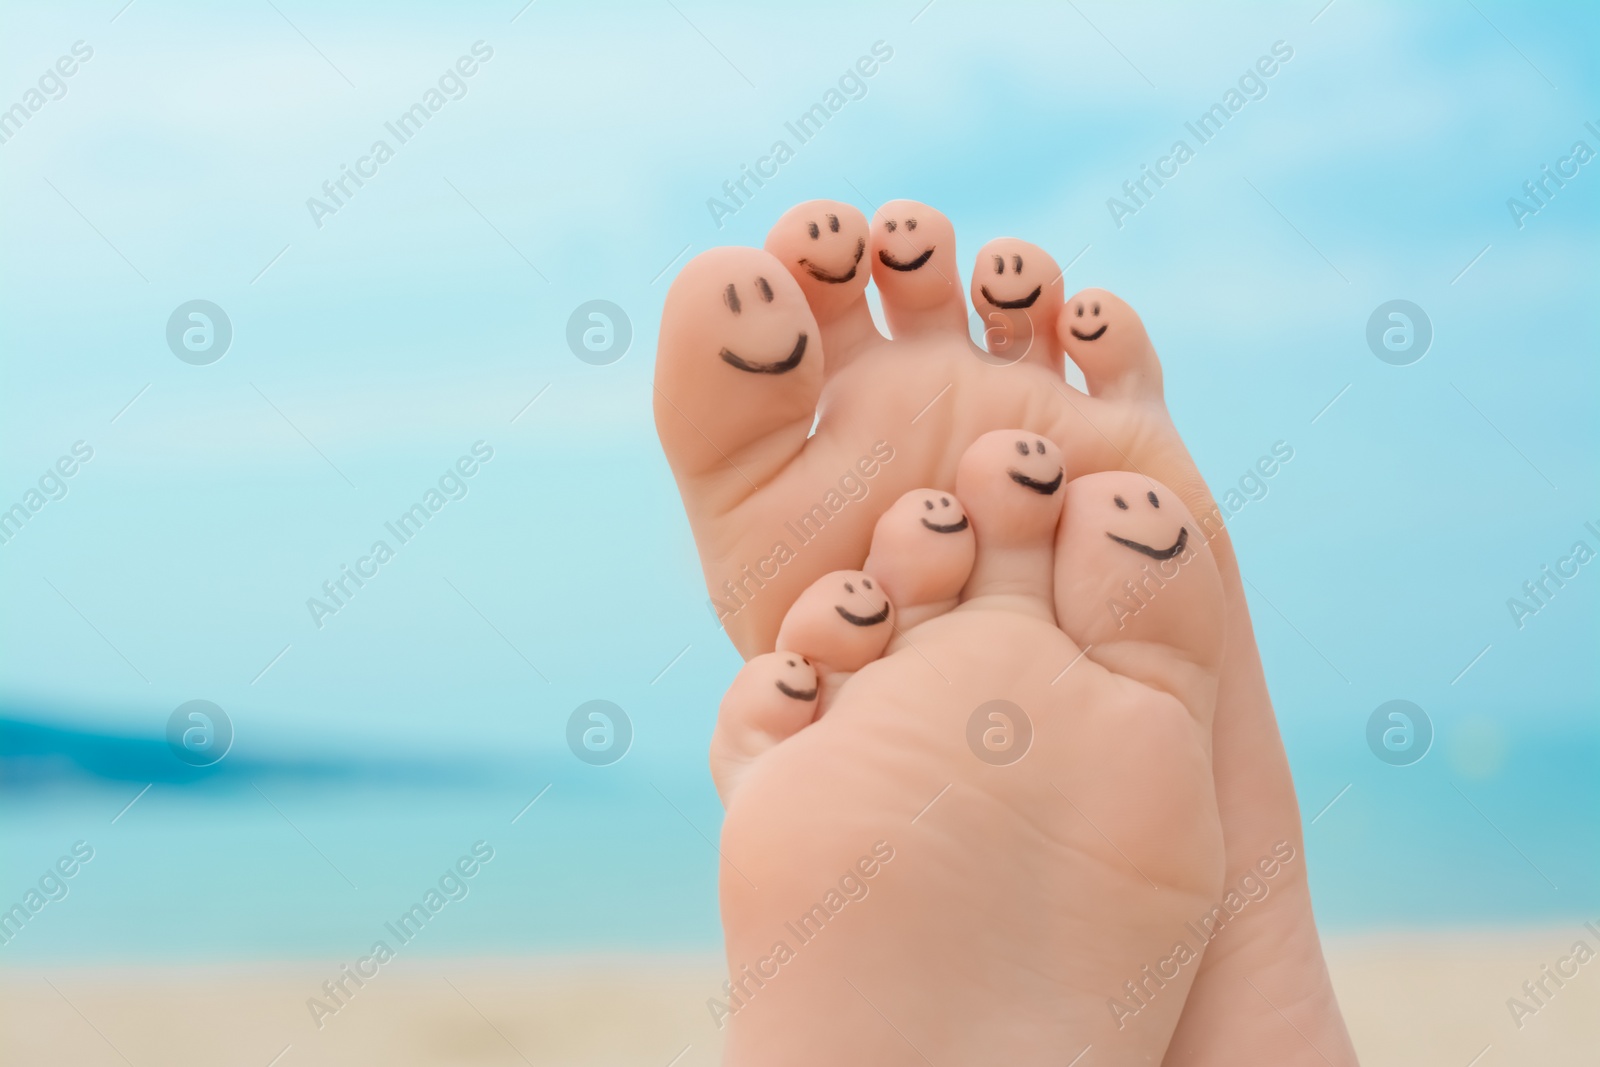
(231, 368)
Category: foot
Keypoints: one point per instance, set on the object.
(792, 424)
(965, 803)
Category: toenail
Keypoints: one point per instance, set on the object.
(1153, 501)
(765, 290)
(731, 298)
(1121, 503)
(812, 228)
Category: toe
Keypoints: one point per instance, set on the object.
(913, 250)
(823, 245)
(1010, 482)
(840, 623)
(738, 371)
(773, 698)
(1105, 338)
(1016, 291)
(1136, 583)
(922, 552)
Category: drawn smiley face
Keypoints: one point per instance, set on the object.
(906, 227)
(997, 264)
(943, 515)
(831, 276)
(1179, 544)
(1086, 323)
(738, 304)
(1035, 469)
(799, 679)
(861, 597)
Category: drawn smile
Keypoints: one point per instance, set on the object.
(1089, 336)
(1156, 553)
(1011, 305)
(779, 367)
(798, 694)
(894, 264)
(822, 274)
(1042, 488)
(863, 620)
(947, 527)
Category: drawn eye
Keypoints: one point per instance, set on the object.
(999, 265)
(1016, 263)
(833, 223)
(928, 504)
(731, 297)
(812, 229)
(1153, 501)
(764, 289)
(1022, 446)
(848, 588)
(1121, 503)
(911, 224)
(890, 226)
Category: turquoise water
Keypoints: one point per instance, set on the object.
(1384, 160)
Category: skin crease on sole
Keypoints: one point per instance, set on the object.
(776, 508)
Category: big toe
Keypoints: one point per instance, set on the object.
(738, 369)
(1136, 582)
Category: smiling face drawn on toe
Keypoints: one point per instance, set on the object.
(862, 593)
(735, 305)
(997, 264)
(944, 516)
(801, 684)
(1041, 475)
(916, 262)
(1178, 545)
(822, 244)
(821, 273)
(1090, 327)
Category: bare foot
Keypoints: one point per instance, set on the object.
(1022, 825)
(760, 347)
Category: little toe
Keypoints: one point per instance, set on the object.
(913, 253)
(738, 372)
(1010, 482)
(922, 552)
(841, 623)
(1016, 290)
(773, 698)
(1137, 586)
(1105, 338)
(823, 245)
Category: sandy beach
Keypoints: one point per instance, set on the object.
(1411, 999)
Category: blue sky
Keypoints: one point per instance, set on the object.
(368, 354)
